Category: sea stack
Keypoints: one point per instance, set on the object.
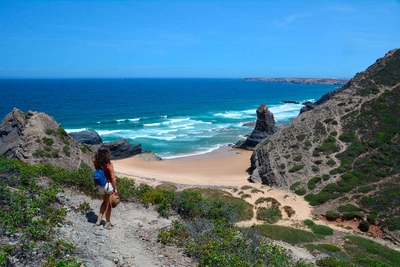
(265, 126)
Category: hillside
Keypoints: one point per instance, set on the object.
(343, 156)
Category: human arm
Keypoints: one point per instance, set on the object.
(113, 178)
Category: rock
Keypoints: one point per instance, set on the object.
(265, 126)
(36, 138)
(121, 149)
(89, 137)
(149, 156)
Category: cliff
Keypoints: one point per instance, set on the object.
(344, 150)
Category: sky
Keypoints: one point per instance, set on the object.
(195, 39)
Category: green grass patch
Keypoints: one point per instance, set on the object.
(287, 234)
(368, 253)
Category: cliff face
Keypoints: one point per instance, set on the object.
(37, 138)
(345, 145)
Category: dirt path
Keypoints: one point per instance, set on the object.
(132, 242)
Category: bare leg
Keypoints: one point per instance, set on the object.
(108, 213)
(102, 210)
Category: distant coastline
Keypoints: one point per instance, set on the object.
(301, 80)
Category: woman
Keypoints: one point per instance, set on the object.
(102, 161)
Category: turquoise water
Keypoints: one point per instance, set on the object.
(171, 117)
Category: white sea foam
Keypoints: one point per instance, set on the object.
(75, 130)
(196, 153)
(135, 119)
(178, 120)
(170, 137)
(229, 115)
(152, 124)
(107, 132)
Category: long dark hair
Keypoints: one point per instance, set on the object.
(102, 157)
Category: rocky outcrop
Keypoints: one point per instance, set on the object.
(36, 138)
(89, 137)
(121, 149)
(265, 126)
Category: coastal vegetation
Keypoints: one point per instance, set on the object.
(207, 229)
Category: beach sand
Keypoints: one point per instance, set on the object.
(225, 168)
(222, 167)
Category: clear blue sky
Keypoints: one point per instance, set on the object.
(184, 39)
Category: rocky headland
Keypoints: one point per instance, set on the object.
(337, 150)
(301, 80)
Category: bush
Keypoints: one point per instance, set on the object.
(300, 192)
(297, 158)
(312, 184)
(348, 208)
(296, 168)
(309, 223)
(331, 215)
(364, 226)
(269, 215)
(294, 186)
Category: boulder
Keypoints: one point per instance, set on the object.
(89, 137)
(265, 126)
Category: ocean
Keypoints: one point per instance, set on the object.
(171, 117)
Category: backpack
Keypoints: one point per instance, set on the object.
(99, 177)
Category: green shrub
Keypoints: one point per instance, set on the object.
(348, 208)
(47, 148)
(282, 166)
(269, 215)
(352, 215)
(326, 177)
(294, 186)
(309, 222)
(300, 192)
(295, 168)
(331, 162)
(297, 158)
(315, 169)
(66, 151)
(312, 184)
(331, 215)
(366, 252)
(319, 161)
(301, 137)
(48, 141)
(364, 226)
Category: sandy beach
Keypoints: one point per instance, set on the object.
(225, 167)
